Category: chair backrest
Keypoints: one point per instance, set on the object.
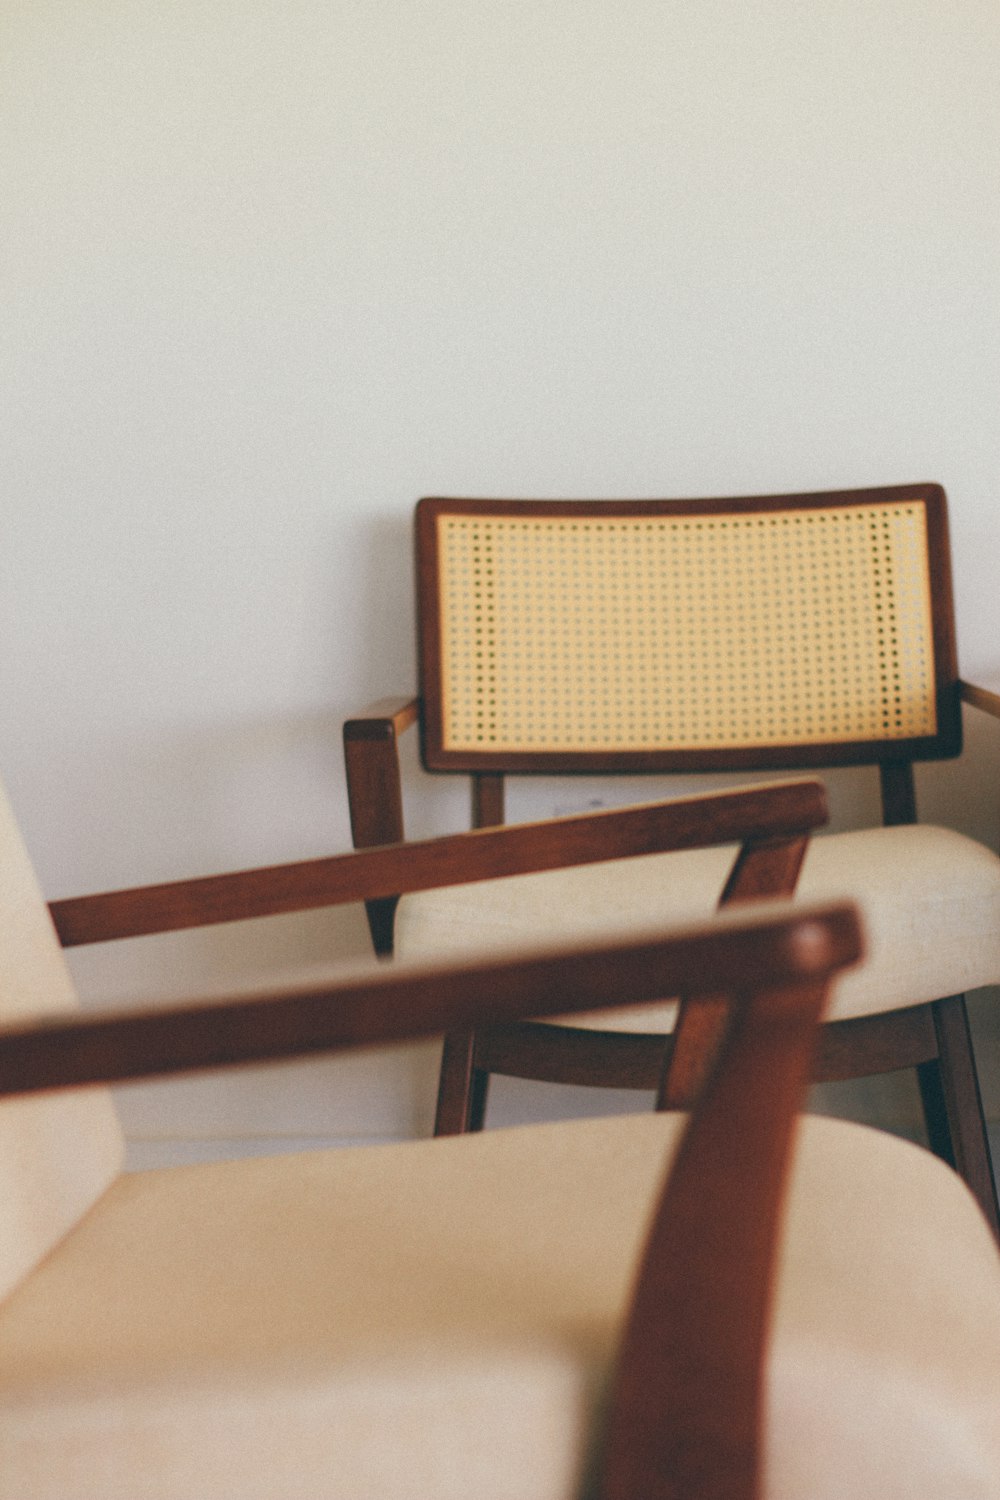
(757, 632)
(58, 1153)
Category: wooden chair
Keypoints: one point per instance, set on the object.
(713, 635)
(519, 1315)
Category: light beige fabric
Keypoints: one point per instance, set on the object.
(57, 1154)
(931, 901)
(434, 1320)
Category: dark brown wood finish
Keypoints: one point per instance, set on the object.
(764, 869)
(860, 1047)
(689, 1338)
(459, 1084)
(406, 1002)
(372, 755)
(864, 1046)
(487, 799)
(572, 1054)
(779, 809)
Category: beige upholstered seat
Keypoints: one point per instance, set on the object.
(924, 935)
(435, 1320)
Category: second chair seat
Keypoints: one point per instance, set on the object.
(236, 1311)
(927, 937)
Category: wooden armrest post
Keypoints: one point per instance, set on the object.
(375, 794)
(984, 698)
(764, 869)
(686, 1413)
(487, 799)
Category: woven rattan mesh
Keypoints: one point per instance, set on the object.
(601, 633)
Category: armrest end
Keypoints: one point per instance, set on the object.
(383, 720)
(987, 699)
(375, 792)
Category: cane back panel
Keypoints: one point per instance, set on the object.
(782, 630)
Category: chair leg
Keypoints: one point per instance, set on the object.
(462, 1088)
(477, 1098)
(953, 1106)
(935, 1110)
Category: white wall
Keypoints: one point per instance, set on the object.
(273, 270)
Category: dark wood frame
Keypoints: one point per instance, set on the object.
(694, 1343)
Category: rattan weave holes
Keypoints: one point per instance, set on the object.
(610, 633)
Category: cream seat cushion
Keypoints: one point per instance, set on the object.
(58, 1152)
(931, 899)
(435, 1320)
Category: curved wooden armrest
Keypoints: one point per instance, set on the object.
(988, 699)
(775, 812)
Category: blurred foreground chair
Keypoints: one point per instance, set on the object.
(711, 635)
(520, 1315)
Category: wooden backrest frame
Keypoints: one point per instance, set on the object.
(944, 742)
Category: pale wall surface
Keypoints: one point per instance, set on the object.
(273, 270)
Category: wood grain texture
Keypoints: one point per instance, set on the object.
(399, 713)
(946, 741)
(375, 793)
(480, 854)
(402, 1004)
(898, 791)
(686, 1410)
(764, 869)
(982, 697)
(487, 799)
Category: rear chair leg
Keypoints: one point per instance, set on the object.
(462, 1088)
(953, 1106)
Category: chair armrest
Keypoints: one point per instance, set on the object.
(766, 815)
(988, 699)
(371, 756)
(379, 1005)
